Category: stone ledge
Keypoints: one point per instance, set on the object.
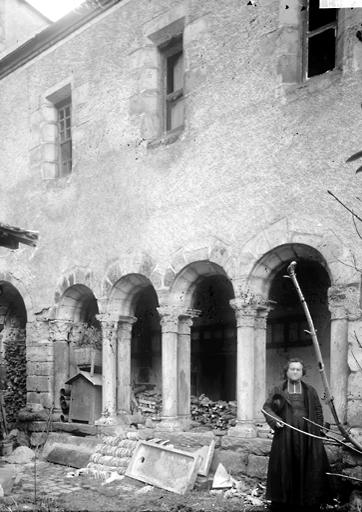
(187, 439)
(256, 446)
(79, 429)
(168, 138)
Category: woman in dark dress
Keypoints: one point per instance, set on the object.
(298, 463)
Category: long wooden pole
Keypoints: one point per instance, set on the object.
(312, 332)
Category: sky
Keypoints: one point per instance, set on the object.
(54, 9)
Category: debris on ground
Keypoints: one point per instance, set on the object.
(218, 415)
(164, 467)
(21, 455)
(206, 453)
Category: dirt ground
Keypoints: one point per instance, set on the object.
(54, 488)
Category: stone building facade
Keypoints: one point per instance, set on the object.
(175, 157)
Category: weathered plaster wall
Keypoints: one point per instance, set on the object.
(254, 150)
(274, 155)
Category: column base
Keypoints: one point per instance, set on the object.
(243, 429)
(171, 424)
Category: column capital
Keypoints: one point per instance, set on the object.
(59, 330)
(107, 320)
(343, 302)
(247, 312)
(172, 314)
(169, 317)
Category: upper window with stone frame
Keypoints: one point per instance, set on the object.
(64, 109)
(320, 41)
(173, 84)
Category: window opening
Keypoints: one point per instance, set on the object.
(321, 36)
(174, 79)
(65, 136)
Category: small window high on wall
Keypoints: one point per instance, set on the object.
(320, 41)
(64, 109)
(173, 84)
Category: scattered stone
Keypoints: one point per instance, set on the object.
(114, 476)
(7, 477)
(21, 455)
(71, 474)
(145, 489)
(222, 479)
(355, 501)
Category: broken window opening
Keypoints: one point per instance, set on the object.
(321, 39)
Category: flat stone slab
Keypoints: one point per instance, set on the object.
(68, 456)
(164, 467)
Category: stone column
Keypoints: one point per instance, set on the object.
(339, 349)
(76, 334)
(245, 390)
(169, 317)
(124, 339)
(59, 333)
(109, 327)
(184, 365)
(260, 362)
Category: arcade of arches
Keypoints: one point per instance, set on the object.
(205, 337)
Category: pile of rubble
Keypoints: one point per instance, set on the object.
(158, 463)
(112, 455)
(219, 415)
(148, 402)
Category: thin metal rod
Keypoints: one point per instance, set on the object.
(323, 428)
(345, 476)
(291, 426)
(339, 441)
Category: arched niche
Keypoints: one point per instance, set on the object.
(13, 319)
(205, 286)
(286, 321)
(146, 367)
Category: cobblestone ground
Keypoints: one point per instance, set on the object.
(48, 487)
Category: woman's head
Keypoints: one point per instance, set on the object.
(294, 370)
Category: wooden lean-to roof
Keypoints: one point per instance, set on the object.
(11, 237)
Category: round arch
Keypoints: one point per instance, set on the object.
(125, 292)
(187, 280)
(286, 323)
(18, 285)
(77, 304)
(267, 267)
(12, 307)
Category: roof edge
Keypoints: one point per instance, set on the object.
(50, 36)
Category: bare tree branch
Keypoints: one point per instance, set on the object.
(354, 357)
(357, 339)
(345, 206)
(356, 228)
(354, 266)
